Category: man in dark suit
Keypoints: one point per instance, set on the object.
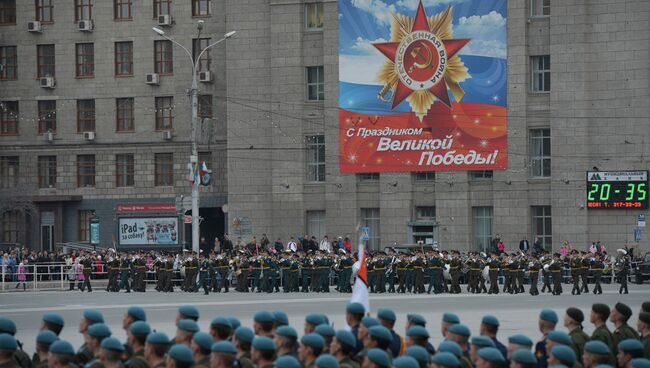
(524, 246)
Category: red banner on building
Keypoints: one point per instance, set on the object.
(146, 208)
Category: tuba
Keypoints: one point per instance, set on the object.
(445, 272)
(486, 272)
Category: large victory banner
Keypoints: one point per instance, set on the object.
(422, 85)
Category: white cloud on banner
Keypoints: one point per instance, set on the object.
(363, 46)
(488, 33)
(360, 69)
(413, 4)
(490, 48)
(377, 8)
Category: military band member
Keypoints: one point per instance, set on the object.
(584, 272)
(597, 267)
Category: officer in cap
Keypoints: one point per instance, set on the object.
(311, 346)
(179, 356)
(155, 348)
(44, 340)
(627, 351)
(573, 322)
(224, 355)
(201, 347)
(263, 351)
(286, 341)
(376, 358)
(523, 358)
(546, 323)
(136, 337)
(110, 353)
(619, 317)
(53, 322)
(61, 355)
(342, 347)
(8, 348)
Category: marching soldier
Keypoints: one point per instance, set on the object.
(113, 266)
(294, 271)
(307, 264)
(242, 264)
(223, 267)
(418, 270)
(584, 272)
(623, 266)
(125, 273)
(257, 271)
(454, 272)
(87, 263)
(435, 267)
(401, 274)
(204, 274)
(323, 274)
(597, 271)
(575, 263)
(533, 272)
(493, 273)
(285, 266)
(556, 272)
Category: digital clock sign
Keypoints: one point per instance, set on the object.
(617, 189)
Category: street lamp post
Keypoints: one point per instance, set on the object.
(195, 118)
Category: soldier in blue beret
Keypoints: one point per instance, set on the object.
(136, 337)
(413, 319)
(546, 323)
(186, 329)
(363, 335)
(477, 343)
(460, 334)
(419, 336)
(179, 356)
(263, 351)
(224, 355)
(445, 360)
(243, 340)
(311, 321)
(53, 322)
(405, 362)
(342, 348)
(201, 347)
(420, 354)
(596, 352)
(451, 347)
(523, 358)
(61, 355)
(187, 312)
(490, 358)
(234, 322)
(286, 341)
(640, 363)
(110, 354)
(280, 318)
(311, 346)
(628, 350)
(562, 354)
(96, 334)
(517, 342)
(490, 328)
(387, 318)
(327, 333)
(43, 342)
(8, 347)
(353, 316)
(155, 348)
(263, 324)
(376, 358)
(448, 319)
(378, 337)
(326, 361)
(90, 317)
(133, 314)
(221, 329)
(287, 361)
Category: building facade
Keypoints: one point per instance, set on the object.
(578, 99)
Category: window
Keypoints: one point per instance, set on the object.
(83, 10)
(124, 170)
(9, 62)
(368, 177)
(11, 227)
(542, 226)
(164, 169)
(164, 113)
(7, 11)
(8, 171)
(425, 176)
(315, 83)
(46, 171)
(85, 116)
(46, 116)
(8, 117)
(85, 60)
(122, 9)
(44, 11)
(541, 73)
(482, 228)
(199, 44)
(124, 58)
(162, 7)
(540, 152)
(424, 227)
(84, 224)
(200, 8)
(124, 111)
(205, 106)
(425, 213)
(314, 16)
(540, 8)
(45, 55)
(316, 224)
(85, 171)
(163, 57)
(480, 174)
(370, 218)
(316, 158)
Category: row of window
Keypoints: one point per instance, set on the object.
(483, 225)
(14, 226)
(86, 170)
(86, 114)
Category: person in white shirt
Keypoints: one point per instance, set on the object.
(292, 246)
(325, 245)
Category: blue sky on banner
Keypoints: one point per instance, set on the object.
(363, 22)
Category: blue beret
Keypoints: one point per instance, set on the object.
(157, 338)
(314, 319)
(558, 366)
(325, 319)
(7, 326)
(445, 359)
(325, 330)
(419, 353)
(264, 343)
(62, 347)
(140, 328)
(221, 321)
(386, 314)
(93, 316)
(630, 345)
(99, 330)
(244, 334)
(54, 318)
(286, 331)
(490, 320)
(111, 343)
(8, 342)
(203, 339)
(560, 337)
(417, 331)
(524, 356)
(548, 315)
(224, 347)
(492, 355)
(234, 322)
(381, 333)
(137, 313)
(189, 311)
(597, 347)
(416, 319)
(640, 363)
(346, 338)
(564, 354)
(460, 330)
(313, 340)
(450, 347)
(483, 342)
(355, 308)
(280, 318)
(188, 325)
(405, 362)
(379, 357)
(46, 337)
(369, 322)
(327, 361)
(287, 361)
(263, 317)
(181, 353)
(520, 339)
(450, 318)
(605, 365)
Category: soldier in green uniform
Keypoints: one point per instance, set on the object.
(96, 333)
(597, 271)
(242, 265)
(370, 267)
(520, 274)
(125, 273)
(380, 271)
(324, 274)
(454, 272)
(493, 273)
(573, 323)
(584, 272)
(61, 355)
(204, 274)
(575, 262)
(533, 273)
(307, 265)
(342, 346)
(546, 273)
(391, 263)
(285, 267)
(256, 262)
(619, 317)
(435, 269)
(223, 266)
(401, 274)
(556, 273)
(87, 263)
(346, 264)
(135, 339)
(275, 275)
(141, 273)
(315, 275)
(471, 273)
(643, 326)
(201, 346)
(410, 274)
(294, 271)
(599, 314)
(418, 271)
(155, 348)
(623, 266)
(243, 339)
(112, 266)
(169, 274)
(507, 275)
